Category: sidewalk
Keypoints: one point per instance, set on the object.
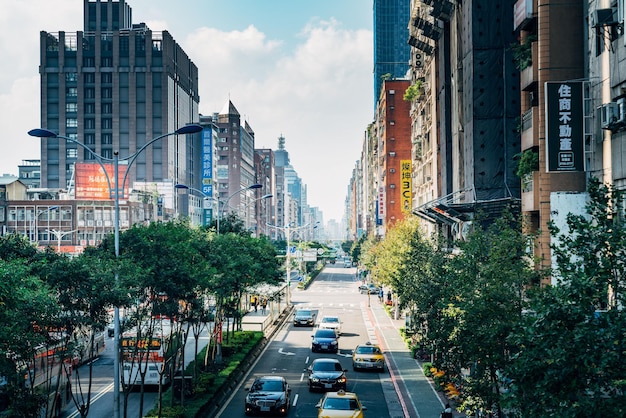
(416, 398)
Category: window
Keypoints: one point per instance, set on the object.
(71, 153)
(71, 123)
(71, 77)
(71, 107)
(107, 139)
(107, 123)
(71, 92)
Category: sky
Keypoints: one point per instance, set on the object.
(296, 68)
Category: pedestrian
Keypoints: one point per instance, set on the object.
(381, 293)
(263, 305)
(447, 412)
(254, 302)
(389, 297)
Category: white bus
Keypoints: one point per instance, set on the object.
(151, 356)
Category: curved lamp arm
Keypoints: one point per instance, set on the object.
(45, 133)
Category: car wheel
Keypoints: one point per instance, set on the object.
(354, 368)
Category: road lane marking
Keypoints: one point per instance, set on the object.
(99, 395)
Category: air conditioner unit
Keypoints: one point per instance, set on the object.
(99, 223)
(90, 222)
(609, 115)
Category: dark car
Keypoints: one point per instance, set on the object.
(326, 374)
(325, 340)
(304, 317)
(268, 395)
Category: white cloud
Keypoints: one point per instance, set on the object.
(318, 95)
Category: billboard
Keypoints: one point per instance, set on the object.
(91, 181)
(406, 185)
(564, 126)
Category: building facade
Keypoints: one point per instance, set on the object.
(391, 52)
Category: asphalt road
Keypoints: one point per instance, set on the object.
(334, 292)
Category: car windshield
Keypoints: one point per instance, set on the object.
(345, 404)
(327, 366)
(367, 349)
(330, 320)
(303, 313)
(325, 333)
(267, 386)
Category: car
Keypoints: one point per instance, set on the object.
(330, 322)
(370, 287)
(325, 340)
(326, 374)
(304, 317)
(340, 404)
(268, 395)
(368, 356)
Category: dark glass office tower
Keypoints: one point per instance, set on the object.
(391, 35)
(114, 87)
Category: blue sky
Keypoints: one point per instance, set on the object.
(298, 68)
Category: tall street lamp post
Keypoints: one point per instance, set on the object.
(288, 230)
(44, 133)
(220, 211)
(201, 193)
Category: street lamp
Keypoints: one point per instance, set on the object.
(200, 192)
(35, 230)
(59, 235)
(220, 211)
(288, 230)
(45, 133)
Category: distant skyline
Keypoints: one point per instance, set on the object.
(298, 69)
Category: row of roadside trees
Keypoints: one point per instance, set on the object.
(167, 270)
(506, 338)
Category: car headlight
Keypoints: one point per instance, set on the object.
(333, 343)
(342, 379)
(315, 379)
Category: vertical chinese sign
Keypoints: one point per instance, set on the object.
(564, 127)
(207, 175)
(406, 185)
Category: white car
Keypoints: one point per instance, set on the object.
(330, 322)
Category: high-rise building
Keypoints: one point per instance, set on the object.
(114, 87)
(391, 33)
(235, 164)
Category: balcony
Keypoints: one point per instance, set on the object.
(530, 75)
(530, 192)
(529, 133)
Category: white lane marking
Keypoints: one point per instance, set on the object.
(287, 353)
(295, 401)
(99, 395)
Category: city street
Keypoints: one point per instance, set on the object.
(335, 292)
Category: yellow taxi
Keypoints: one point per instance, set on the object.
(368, 356)
(340, 404)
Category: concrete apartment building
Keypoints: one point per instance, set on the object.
(391, 131)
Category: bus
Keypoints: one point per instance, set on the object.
(150, 357)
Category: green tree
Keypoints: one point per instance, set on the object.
(26, 308)
(239, 262)
(573, 342)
